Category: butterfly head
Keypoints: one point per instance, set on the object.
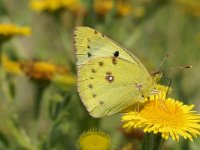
(156, 75)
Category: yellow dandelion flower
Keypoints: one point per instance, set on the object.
(11, 30)
(11, 66)
(166, 116)
(42, 70)
(102, 7)
(123, 8)
(94, 140)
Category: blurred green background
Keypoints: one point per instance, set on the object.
(40, 114)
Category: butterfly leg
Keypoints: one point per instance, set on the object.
(138, 107)
(139, 87)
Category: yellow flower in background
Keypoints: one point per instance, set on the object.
(94, 140)
(190, 6)
(52, 5)
(39, 70)
(166, 116)
(11, 30)
(102, 7)
(73, 5)
(123, 7)
(138, 11)
(11, 66)
(129, 146)
(41, 5)
(42, 70)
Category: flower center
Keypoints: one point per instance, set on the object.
(163, 112)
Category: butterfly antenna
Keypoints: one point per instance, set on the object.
(182, 67)
(164, 59)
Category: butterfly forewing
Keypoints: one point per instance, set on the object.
(90, 43)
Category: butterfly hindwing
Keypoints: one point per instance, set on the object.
(106, 88)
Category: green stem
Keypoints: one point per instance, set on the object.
(152, 142)
(38, 99)
(0, 54)
(185, 145)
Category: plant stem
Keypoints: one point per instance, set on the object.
(152, 142)
(39, 87)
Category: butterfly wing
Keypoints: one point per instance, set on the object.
(109, 77)
(106, 88)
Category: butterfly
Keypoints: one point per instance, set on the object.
(109, 78)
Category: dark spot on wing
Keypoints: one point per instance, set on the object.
(108, 73)
(94, 95)
(90, 86)
(116, 53)
(101, 102)
(93, 71)
(101, 63)
(114, 61)
(91, 78)
(89, 54)
(109, 77)
(88, 47)
(95, 32)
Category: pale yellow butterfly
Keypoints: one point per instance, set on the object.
(109, 78)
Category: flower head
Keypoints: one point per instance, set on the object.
(102, 7)
(123, 7)
(93, 139)
(166, 116)
(53, 5)
(9, 30)
(10, 66)
(42, 70)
